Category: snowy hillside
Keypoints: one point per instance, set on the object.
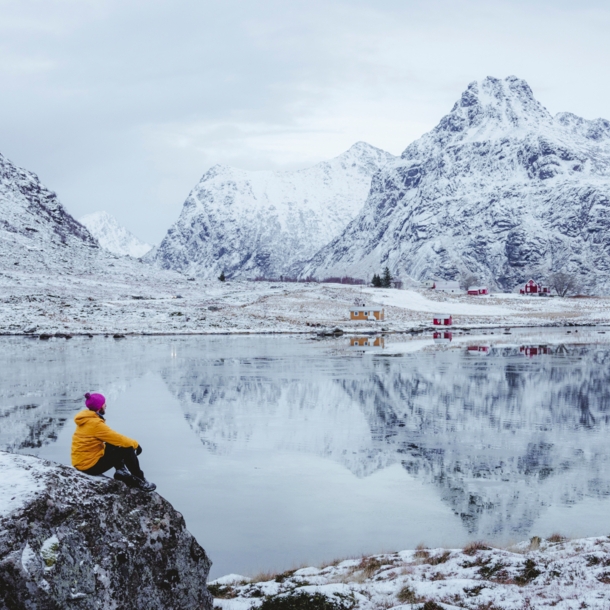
(253, 223)
(35, 229)
(112, 236)
(499, 187)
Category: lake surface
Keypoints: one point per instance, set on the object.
(282, 451)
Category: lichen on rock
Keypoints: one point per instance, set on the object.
(75, 541)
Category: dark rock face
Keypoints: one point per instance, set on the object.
(499, 188)
(90, 542)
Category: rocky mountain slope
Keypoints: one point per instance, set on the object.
(112, 236)
(68, 540)
(499, 187)
(263, 223)
(35, 229)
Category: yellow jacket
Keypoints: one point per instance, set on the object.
(90, 438)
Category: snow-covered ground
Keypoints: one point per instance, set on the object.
(133, 298)
(553, 573)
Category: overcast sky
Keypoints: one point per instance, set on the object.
(123, 105)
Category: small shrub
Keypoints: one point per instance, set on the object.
(421, 552)
(369, 565)
(430, 605)
(528, 573)
(438, 559)
(472, 547)
(222, 591)
(556, 538)
(407, 595)
(474, 591)
(303, 601)
(497, 572)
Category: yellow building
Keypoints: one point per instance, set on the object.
(371, 314)
(367, 342)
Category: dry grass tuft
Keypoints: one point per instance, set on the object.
(556, 537)
(407, 595)
(472, 547)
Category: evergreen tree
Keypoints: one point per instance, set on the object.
(386, 281)
(222, 277)
(376, 281)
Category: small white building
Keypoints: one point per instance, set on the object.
(450, 287)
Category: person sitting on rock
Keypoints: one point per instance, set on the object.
(96, 448)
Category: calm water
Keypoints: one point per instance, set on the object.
(281, 451)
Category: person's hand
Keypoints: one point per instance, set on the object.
(138, 450)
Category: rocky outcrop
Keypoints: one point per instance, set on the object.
(499, 188)
(68, 540)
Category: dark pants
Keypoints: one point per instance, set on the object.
(117, 457)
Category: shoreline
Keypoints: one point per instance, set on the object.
(330, 334)
(555, 572)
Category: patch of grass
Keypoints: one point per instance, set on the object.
(407, 595)
(474, 591)
(472, 547)
(556, 538)
(528, 573)
(263, 577)
(438, 559)
(305, 601)
(497, 572)
(369, 565)
(280, 578)
(222, 591)
(421, 552)
(431, 605)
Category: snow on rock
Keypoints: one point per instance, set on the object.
(553, 573)
(499, 187)
(68, 540)
(263, 223)
(112, 236)
(35, 229)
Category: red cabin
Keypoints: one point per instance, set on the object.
(478, 349)
(532, 287)
(442, 319)
(534, 350)
(477, 290)
(442, 337)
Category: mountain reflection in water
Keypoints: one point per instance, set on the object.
(501, 432)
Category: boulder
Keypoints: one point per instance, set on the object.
(69, 540)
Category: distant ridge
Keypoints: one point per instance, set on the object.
(267, 223)
(112, 236)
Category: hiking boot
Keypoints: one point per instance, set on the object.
(122, 474)
(144, 485)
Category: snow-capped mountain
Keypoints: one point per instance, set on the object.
(35, 229)
(499, 187)
(263, 223)
(112, 236)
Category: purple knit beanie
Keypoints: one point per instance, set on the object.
(94, 402)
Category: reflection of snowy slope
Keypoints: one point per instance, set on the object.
(502, 437)
(42, 383)
(235, 404)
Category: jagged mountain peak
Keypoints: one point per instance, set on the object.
(499, 188)
(486, 110)
(112, 236)
(265, 223)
